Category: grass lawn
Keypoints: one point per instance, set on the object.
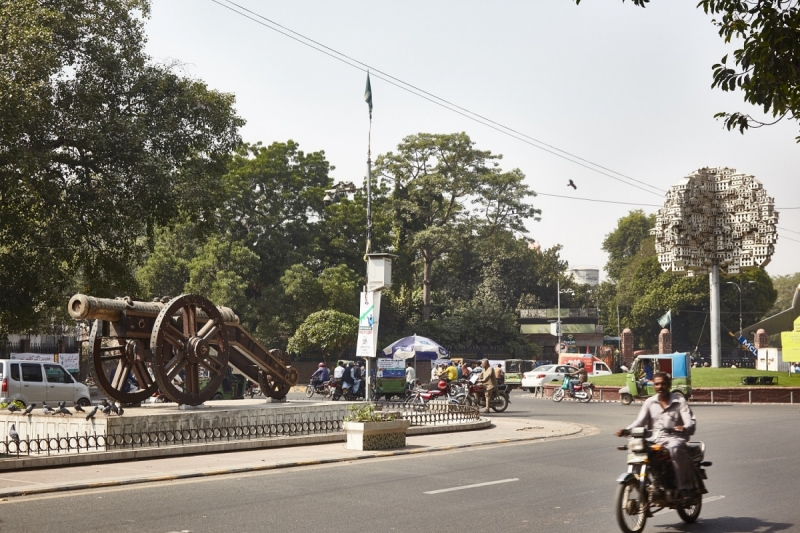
(714, 377)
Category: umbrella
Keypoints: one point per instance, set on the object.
(421, 348)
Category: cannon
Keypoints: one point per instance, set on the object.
(181, 347)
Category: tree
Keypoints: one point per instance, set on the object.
(624, 242)
(765, 66)
(443, 189)
(100, 146)
(785, 287)
(327, 333)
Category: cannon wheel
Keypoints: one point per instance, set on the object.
(270, 386)
(181, 342)
(113, 359)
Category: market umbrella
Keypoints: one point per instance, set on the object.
(420, 348)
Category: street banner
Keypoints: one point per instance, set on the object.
(791, 342)
(391, 368)
(70, 361)
(749, 345)
(665, 320)
(367, 343)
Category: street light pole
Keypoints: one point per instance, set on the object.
(738, 286)
(558, 322)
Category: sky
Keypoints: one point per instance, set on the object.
(613, 84)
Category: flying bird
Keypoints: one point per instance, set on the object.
(92, 412)
(572, 184)
(46, 409)
(12, 407)
(29, 409)
(62, 409)
(13, 435)
(78, 408)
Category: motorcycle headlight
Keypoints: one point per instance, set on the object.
(636, 445)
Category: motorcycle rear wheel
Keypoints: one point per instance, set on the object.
(689, 514)
(500, 404)
(558, 395)
(588, 397)
(630, 511)
(309, 391)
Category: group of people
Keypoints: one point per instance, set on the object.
(452, 371)
(794, 368)
(350, 376)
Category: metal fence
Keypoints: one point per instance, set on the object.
(426, 415)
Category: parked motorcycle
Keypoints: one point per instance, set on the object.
(251, 389)
(323, 389)
(649, 484)
(583, 392)
(477, 396)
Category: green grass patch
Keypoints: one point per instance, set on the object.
(714, 377)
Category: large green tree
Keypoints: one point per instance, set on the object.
(99, 146)
(444, 189)
(764, 67)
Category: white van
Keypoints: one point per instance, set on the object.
(36, 382)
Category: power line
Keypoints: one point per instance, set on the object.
(789, 238)
(595, 200)
(435, 99)
(789, 230)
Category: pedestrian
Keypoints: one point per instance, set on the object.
(411, 375)
(465, 370)
(434, 371)
(488, 379)
(792, 368)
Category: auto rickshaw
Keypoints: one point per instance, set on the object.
(514, 370)
(678, 365)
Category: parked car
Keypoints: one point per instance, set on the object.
(37, 382)
(542, 375)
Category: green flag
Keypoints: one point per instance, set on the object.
(368, 96)
(665, 320)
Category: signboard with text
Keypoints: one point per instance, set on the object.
(367, 343)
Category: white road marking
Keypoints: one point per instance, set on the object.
(705, 500)
(472, 486)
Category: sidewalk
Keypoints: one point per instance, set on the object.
(503, 430)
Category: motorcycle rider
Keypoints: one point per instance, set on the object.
(670, 411)
(347, 377)
(580, 376)
(489, 381)
(645, 375)
(320, 376)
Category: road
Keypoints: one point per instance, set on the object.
(561, 485)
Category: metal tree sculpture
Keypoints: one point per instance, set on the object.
(716, 219)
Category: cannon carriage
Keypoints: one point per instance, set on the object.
(170, 346)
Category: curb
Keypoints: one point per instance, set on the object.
(691, 402)
(276, 466)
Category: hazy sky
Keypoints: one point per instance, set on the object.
(619, 86)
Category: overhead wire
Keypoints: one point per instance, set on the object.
(435, 99)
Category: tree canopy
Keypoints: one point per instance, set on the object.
(100, 146)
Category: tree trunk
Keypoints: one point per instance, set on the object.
(426, 286)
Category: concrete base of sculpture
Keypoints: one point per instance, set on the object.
(376, 435)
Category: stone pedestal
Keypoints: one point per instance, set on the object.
(761, 340)
(626, 346)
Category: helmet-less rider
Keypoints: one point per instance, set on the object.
(669, 411)
(320, 376)
(580, 376)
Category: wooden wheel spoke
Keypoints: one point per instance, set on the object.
(113, 357)
(111, 348)
(209, 330)
(189, 313)
(142, 375)
(212, 365)
(121, 375)
(173, 336)
(177, 368)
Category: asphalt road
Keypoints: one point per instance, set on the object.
(561, 485)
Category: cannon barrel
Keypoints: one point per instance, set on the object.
(83, 307)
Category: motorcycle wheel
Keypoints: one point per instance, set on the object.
(558, 395)
(631, 511)
(690, 513)
(309, 391)
(588, 397)
(336, 396)
(500, 403)
(626, 399)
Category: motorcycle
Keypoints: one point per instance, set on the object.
(583, 391)
(649, 484)
(323, 389)
(346, 392)
(251, 389)
(477, 396)
(419, 396)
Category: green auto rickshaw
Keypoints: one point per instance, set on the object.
(678, 365)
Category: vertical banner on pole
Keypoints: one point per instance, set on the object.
(368, 315)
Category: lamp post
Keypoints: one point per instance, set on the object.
(738, 286)
(558, 321)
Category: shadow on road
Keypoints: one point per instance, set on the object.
(730, 524)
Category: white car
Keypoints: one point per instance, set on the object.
(35, 382)
(542, 375)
